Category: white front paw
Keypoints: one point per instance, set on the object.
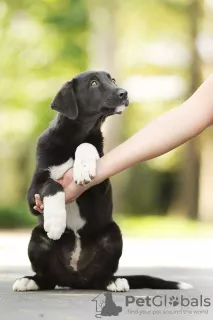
(25, 284)
(55, 215)
(119, 285)
(84, 169)
(55, 229)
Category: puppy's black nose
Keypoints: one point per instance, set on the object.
(122, 94)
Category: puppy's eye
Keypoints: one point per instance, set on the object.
(93, 83)
(113, 80)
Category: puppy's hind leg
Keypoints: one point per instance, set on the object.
(105, 252)
(33, 283)
(41, 254)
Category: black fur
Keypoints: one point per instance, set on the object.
(82, 109)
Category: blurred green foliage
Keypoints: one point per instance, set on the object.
(44, 43)
(16, 217)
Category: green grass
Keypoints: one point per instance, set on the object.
(163, 227)
(16, 217)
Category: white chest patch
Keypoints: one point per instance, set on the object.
(75, 222)
(57, 172)
(76, 254)
(74, 219)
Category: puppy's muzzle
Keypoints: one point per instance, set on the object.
(124, 102)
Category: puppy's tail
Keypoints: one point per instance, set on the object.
(124, 283)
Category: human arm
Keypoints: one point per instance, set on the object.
(166, 132)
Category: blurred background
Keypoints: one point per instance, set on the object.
(160, 51)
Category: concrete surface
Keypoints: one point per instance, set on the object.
(186, 260)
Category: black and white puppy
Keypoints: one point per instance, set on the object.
(78, 245)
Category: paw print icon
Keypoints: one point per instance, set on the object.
(174, 301)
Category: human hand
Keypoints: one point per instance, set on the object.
(72, 190)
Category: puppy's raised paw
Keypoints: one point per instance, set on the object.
(84, 169)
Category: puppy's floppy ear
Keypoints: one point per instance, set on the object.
(65, 102)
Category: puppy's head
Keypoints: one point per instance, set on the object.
(90, 95)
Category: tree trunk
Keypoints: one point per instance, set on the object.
(102, 56)
(191, 166)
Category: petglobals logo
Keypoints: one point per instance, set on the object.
(165, 301)
(107, 304)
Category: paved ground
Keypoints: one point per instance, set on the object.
(185, 260)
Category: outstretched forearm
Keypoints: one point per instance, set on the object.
(163, 134)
